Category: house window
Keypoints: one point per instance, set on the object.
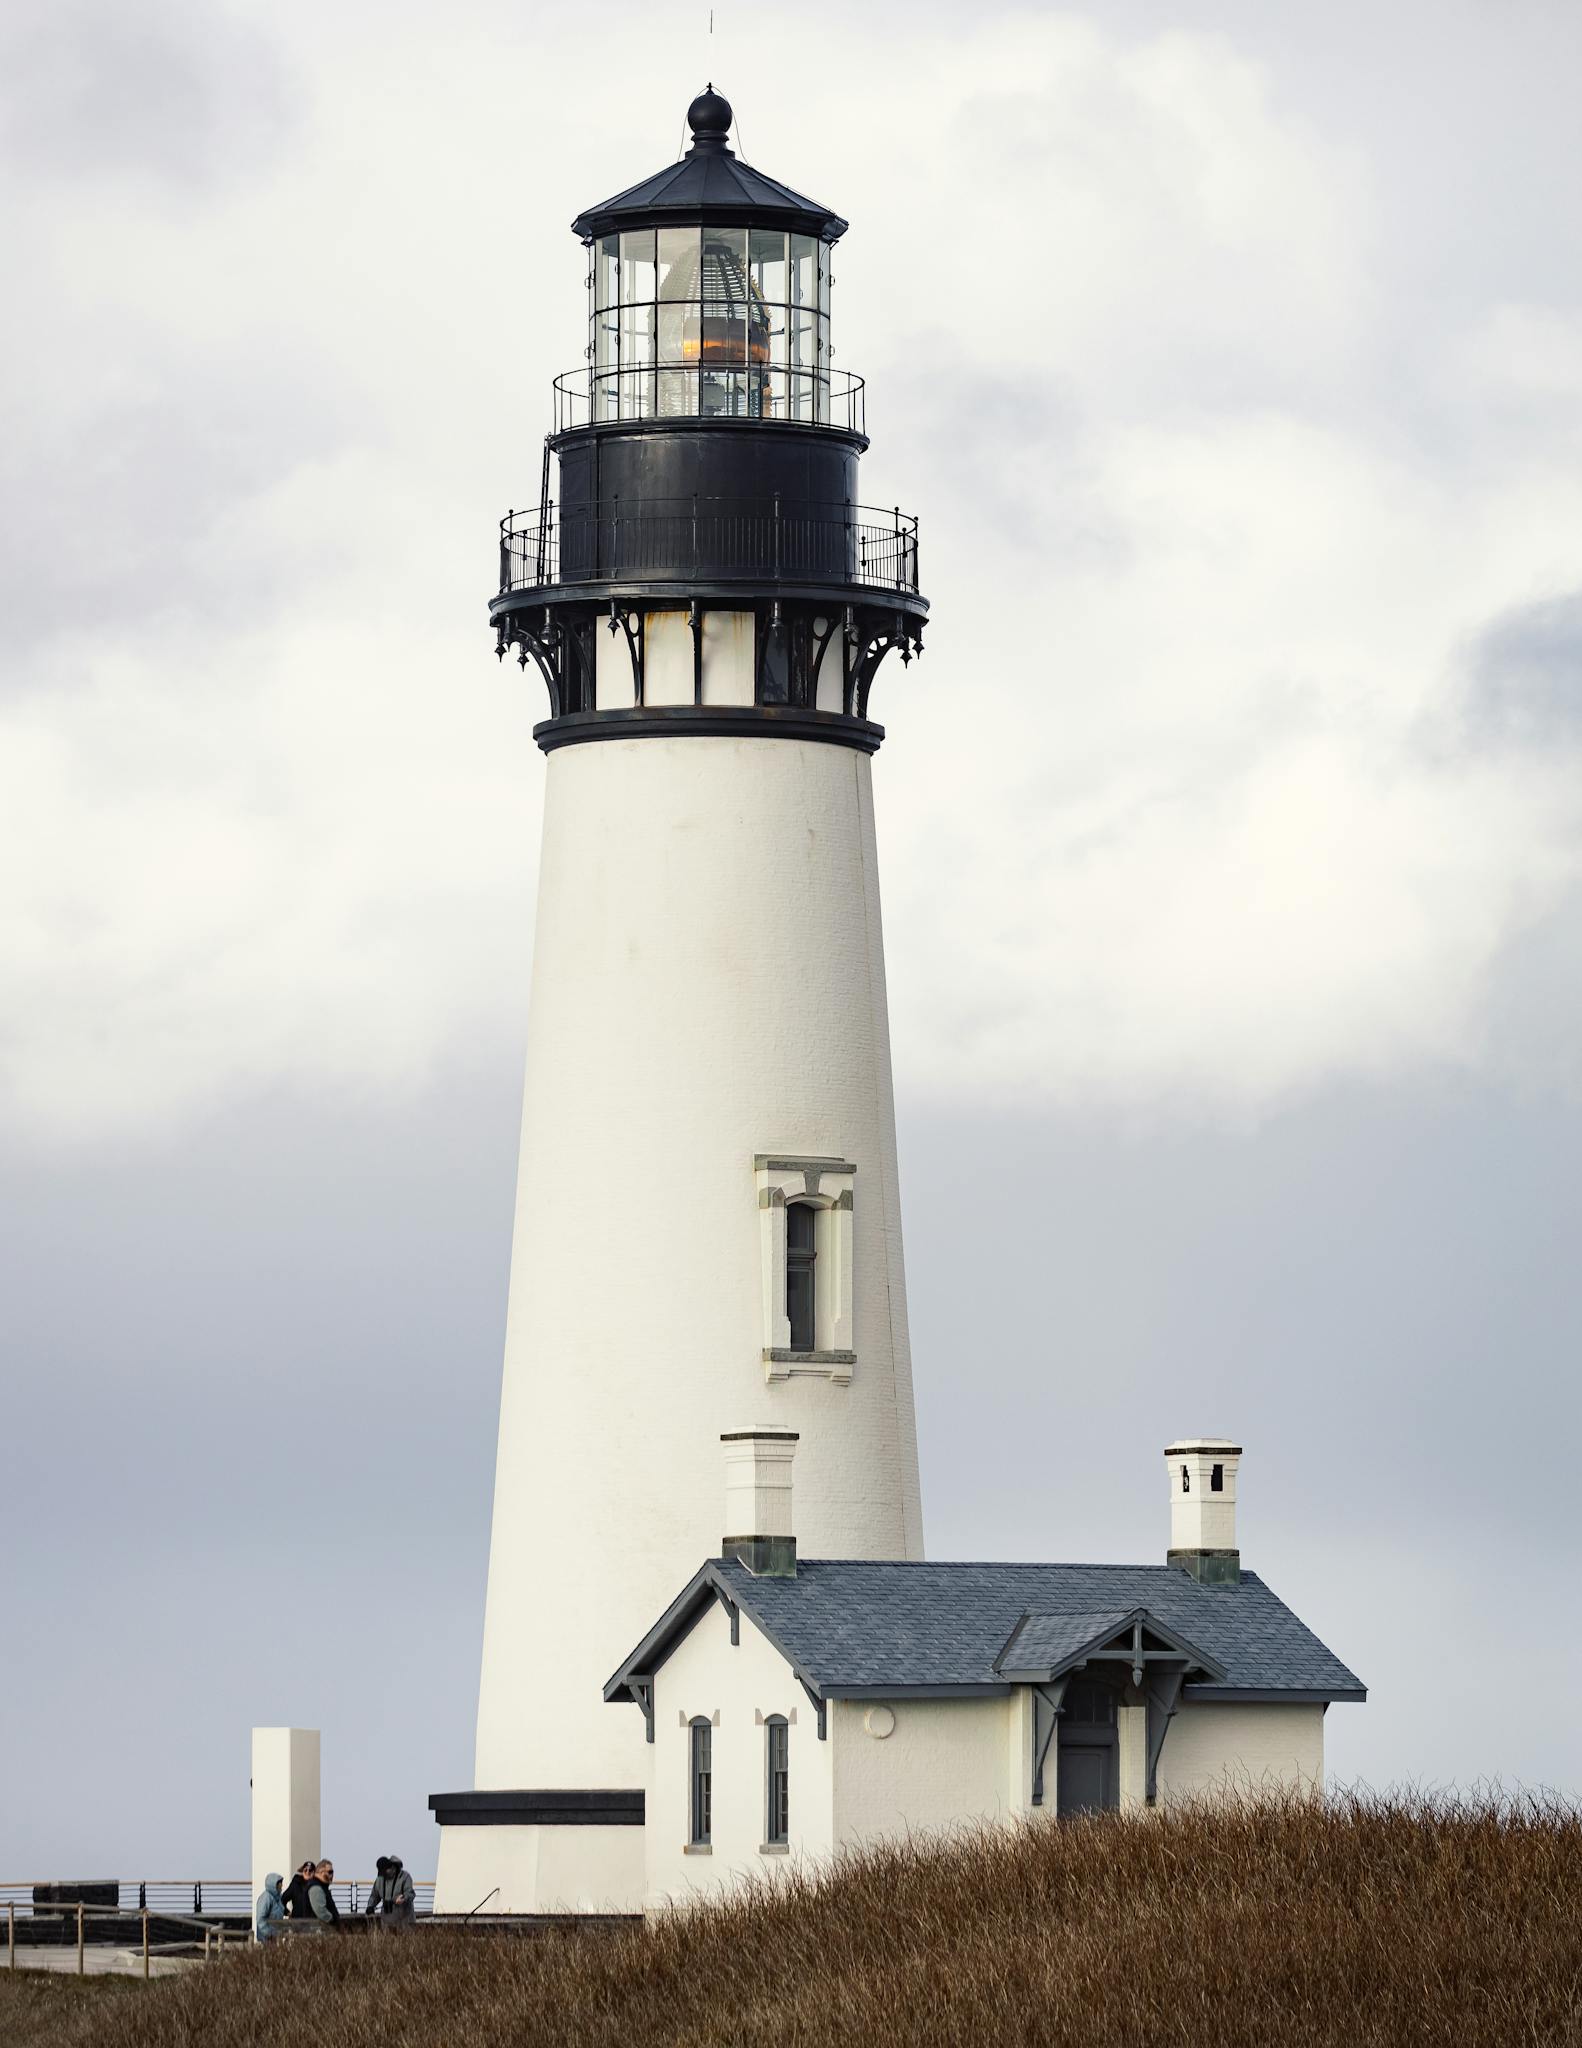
(702, 1779)
(801, 1255)
(777, 1748)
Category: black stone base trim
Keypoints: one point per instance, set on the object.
(766, 1557)
(743, 721)
(598, 1809)
(1208, 1567)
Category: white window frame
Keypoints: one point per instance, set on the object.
(828, 1186)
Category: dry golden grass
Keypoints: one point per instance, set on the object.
(1354, 1922)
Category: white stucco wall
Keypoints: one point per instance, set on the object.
(1241, 1748)
(540, 1869)
(945, 1762)
(708, 986)
(740, 1683)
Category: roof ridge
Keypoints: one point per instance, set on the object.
(998, 1564)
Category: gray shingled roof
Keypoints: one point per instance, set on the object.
(859, 1625)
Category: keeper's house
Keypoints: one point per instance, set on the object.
(798, 1707)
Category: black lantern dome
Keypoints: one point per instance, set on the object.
(707, 460)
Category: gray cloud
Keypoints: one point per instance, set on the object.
(1525, 681)
(189, 96)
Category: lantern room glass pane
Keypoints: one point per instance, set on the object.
(606, 272)
(672, 327)
(804, 270)
(679, 258)
(638, 276)
(825, 258)
(637, 336)
(767, 262)
(725, 266)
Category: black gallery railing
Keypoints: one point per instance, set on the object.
(710, 540)
(715, 389)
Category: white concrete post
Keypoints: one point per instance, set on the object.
(285, 1801)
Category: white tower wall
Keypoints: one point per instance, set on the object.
(708, 992)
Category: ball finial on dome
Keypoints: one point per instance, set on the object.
(709, 117)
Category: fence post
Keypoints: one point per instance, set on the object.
(11, 1932)
(80, 1971)
(145, 1948)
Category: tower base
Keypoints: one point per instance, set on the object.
(540, 1853)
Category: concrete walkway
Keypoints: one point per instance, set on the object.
(103, 1961)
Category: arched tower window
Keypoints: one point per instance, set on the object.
(701, 1790)
(801, 1255)
(777, 1802)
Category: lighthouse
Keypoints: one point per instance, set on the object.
(708, 1226)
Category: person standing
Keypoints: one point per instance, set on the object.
(270, 1912)
(320, 1897)
(394, 1896)
(295, 1896)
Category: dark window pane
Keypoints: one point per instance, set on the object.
(702, 1780)
(778, 1807)
(799, 1306)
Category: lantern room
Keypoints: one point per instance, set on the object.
(709, 293)
(700, 487)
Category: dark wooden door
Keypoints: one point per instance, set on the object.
(1088, 1777)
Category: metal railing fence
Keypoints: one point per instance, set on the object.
(203, 1900)
(148, 1931)
(710, 539)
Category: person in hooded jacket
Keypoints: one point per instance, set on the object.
(270, 1912)
(393, 1897)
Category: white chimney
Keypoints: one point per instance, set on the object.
(759, 1529)
(1203, 1508)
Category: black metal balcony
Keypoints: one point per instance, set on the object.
(763, 543)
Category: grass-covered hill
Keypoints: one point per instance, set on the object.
(1355, 1923)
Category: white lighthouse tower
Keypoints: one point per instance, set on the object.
(708, 1229)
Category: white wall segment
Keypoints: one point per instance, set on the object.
(708, 988)
(1250, 1750)
(736, 1687)
(538, 1869)
(945, 1764)
(728, 653)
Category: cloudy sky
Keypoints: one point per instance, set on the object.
(1231, 355)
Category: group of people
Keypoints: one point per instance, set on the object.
(309, 1896)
